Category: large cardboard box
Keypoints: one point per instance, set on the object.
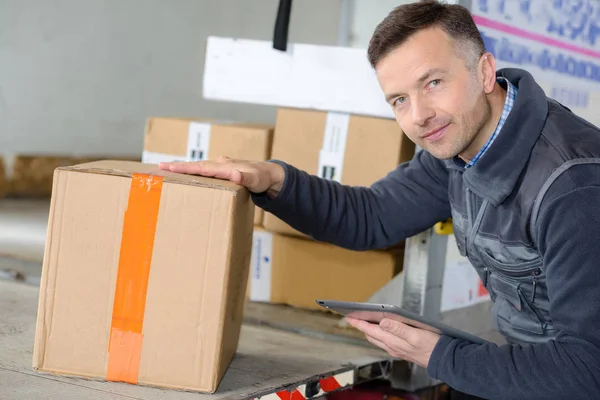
(353, 150)
(296, 272)
(144, 276)
(181, 139)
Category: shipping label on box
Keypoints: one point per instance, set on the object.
(333, 150)
(138, 263)
(260, 266)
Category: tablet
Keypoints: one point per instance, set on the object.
(374, 313)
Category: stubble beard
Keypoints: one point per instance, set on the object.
(474, 122)
(472, 119)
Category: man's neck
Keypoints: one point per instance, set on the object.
(497, 99)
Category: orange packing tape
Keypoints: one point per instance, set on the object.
(137, 243)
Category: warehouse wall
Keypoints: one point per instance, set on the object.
(82, 76)
(366, 14)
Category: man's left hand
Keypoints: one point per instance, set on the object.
(399, 340)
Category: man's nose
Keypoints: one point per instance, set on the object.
(421, 112)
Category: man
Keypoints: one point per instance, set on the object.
(518, 173)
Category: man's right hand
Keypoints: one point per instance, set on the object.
(257, 176)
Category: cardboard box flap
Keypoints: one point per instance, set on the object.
(128, 168)
(157, 122)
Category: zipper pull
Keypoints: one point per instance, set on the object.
(485, 276)
(535, 274)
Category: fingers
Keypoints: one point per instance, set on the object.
(180, 167)
(370, 329)
(243, 178)
(375, 335)
(191, 167)
(213, 169)
(401, 330)
(399, 340)
(381, 345)
(253, 175)
(396, 328)
(359, 324)
(375, 331)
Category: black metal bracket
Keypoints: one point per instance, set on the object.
(282, 25)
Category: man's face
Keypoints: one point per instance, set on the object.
(438, 101)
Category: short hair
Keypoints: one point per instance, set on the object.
(406, 20)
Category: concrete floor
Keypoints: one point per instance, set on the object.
(23, 226)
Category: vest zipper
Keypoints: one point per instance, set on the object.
(485, 276)
(470, 220)
(533, 272)
(474, 220)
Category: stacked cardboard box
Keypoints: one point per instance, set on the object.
(3, 186)
(181, 139)
(287, 266)
(31, 174)
(333, 120)
(143, 277)
(353, 150)
(294, 271)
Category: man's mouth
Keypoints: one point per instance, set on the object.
(435, 134)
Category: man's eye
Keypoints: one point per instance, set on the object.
(399, 100)
(434, 82)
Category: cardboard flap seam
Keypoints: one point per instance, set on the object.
(167, 177)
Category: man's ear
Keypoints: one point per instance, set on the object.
(487, 72)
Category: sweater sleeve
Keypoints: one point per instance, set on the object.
(407, 201)
(568, 366)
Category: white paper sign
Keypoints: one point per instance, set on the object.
(331, 156)
(461, 286)
(262, 254)
(198, 141)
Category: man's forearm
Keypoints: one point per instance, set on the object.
(553, 370)
(360, 218)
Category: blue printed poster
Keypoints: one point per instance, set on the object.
(558, 41)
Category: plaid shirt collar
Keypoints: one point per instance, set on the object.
(511, 95)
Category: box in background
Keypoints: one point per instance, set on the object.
(353, 150)
(144, 276)
(296, 272)
(31, 175)
(3, 183)
(182, 139)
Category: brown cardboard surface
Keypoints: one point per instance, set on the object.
(3, 182)
(302, 271)
(32, 174)
(374, 147)
(169, 136)
(199, 267)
